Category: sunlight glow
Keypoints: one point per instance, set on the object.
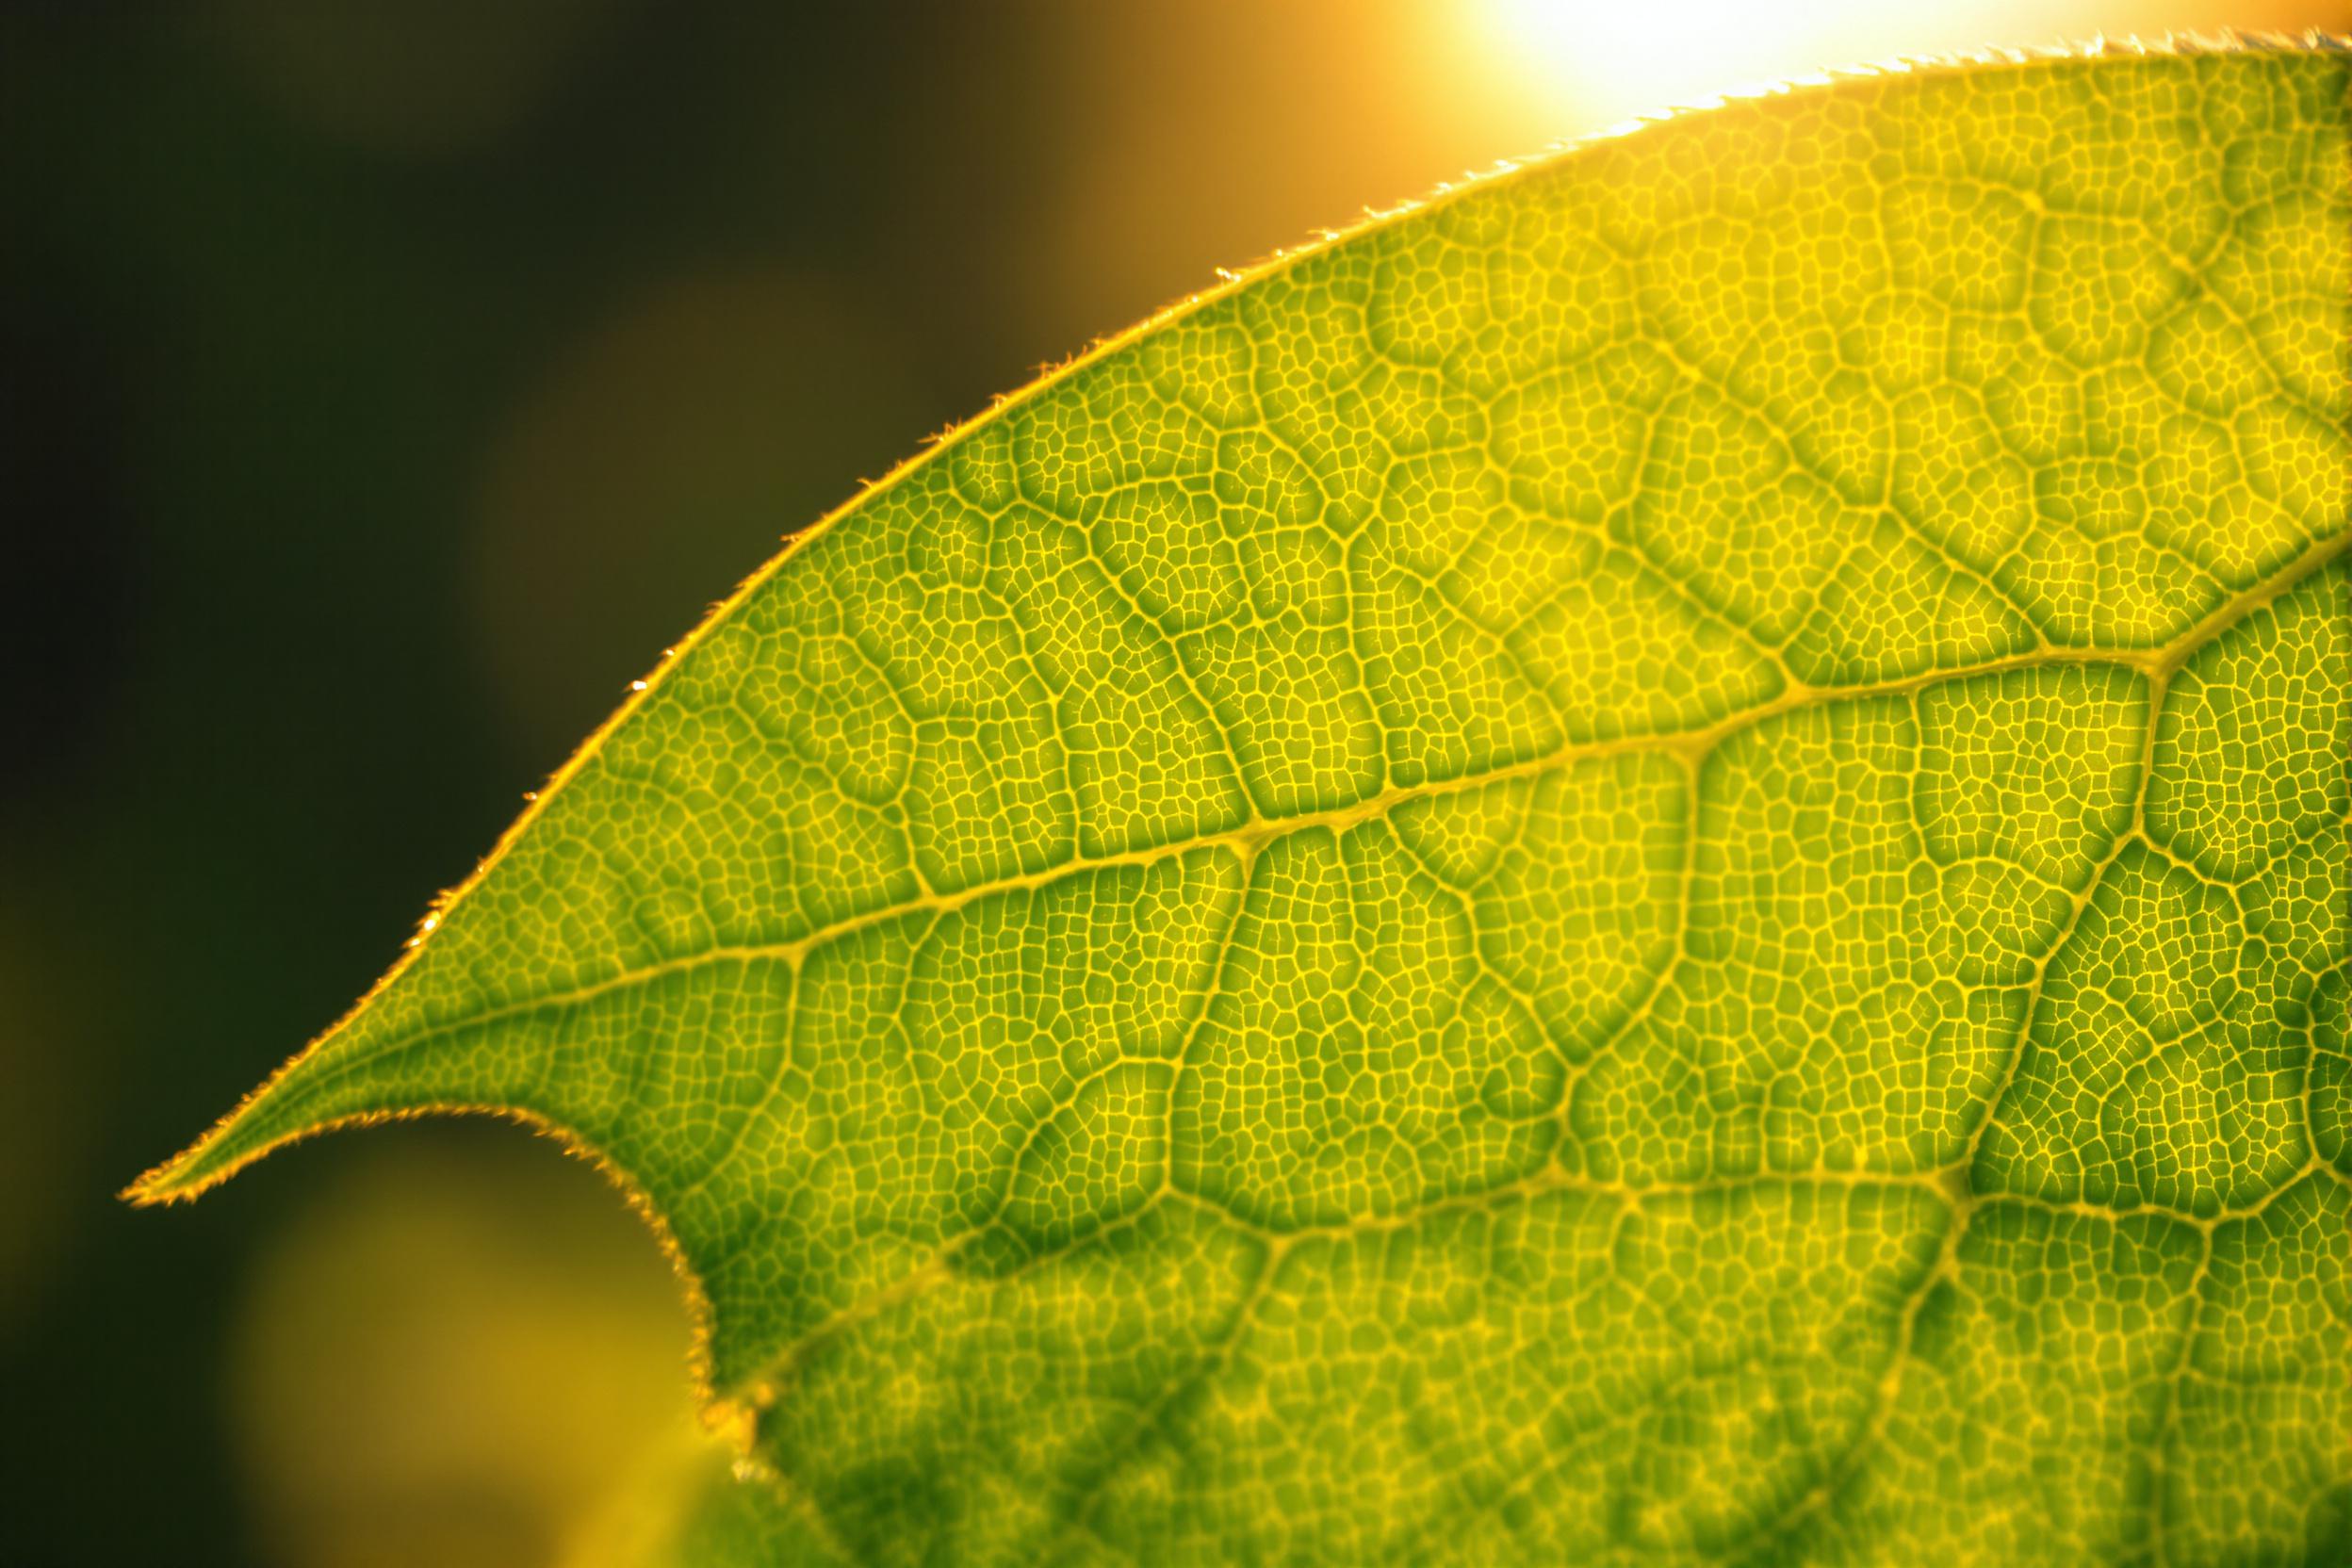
(1625, 58)
(1612, 59)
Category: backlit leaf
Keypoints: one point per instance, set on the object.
(1649, 865)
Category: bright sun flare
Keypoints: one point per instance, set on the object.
(1622, 59)
(1610, 60)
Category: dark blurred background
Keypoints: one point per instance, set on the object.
(382, 384)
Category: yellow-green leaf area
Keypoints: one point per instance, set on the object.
(1646, 866)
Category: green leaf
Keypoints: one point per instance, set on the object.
(1649, 864)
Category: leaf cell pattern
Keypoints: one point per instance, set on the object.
(1650, 865)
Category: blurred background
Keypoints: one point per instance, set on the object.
(382, 384)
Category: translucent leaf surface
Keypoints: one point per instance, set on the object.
(1646, 866)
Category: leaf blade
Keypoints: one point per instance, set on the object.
(1470, 779)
